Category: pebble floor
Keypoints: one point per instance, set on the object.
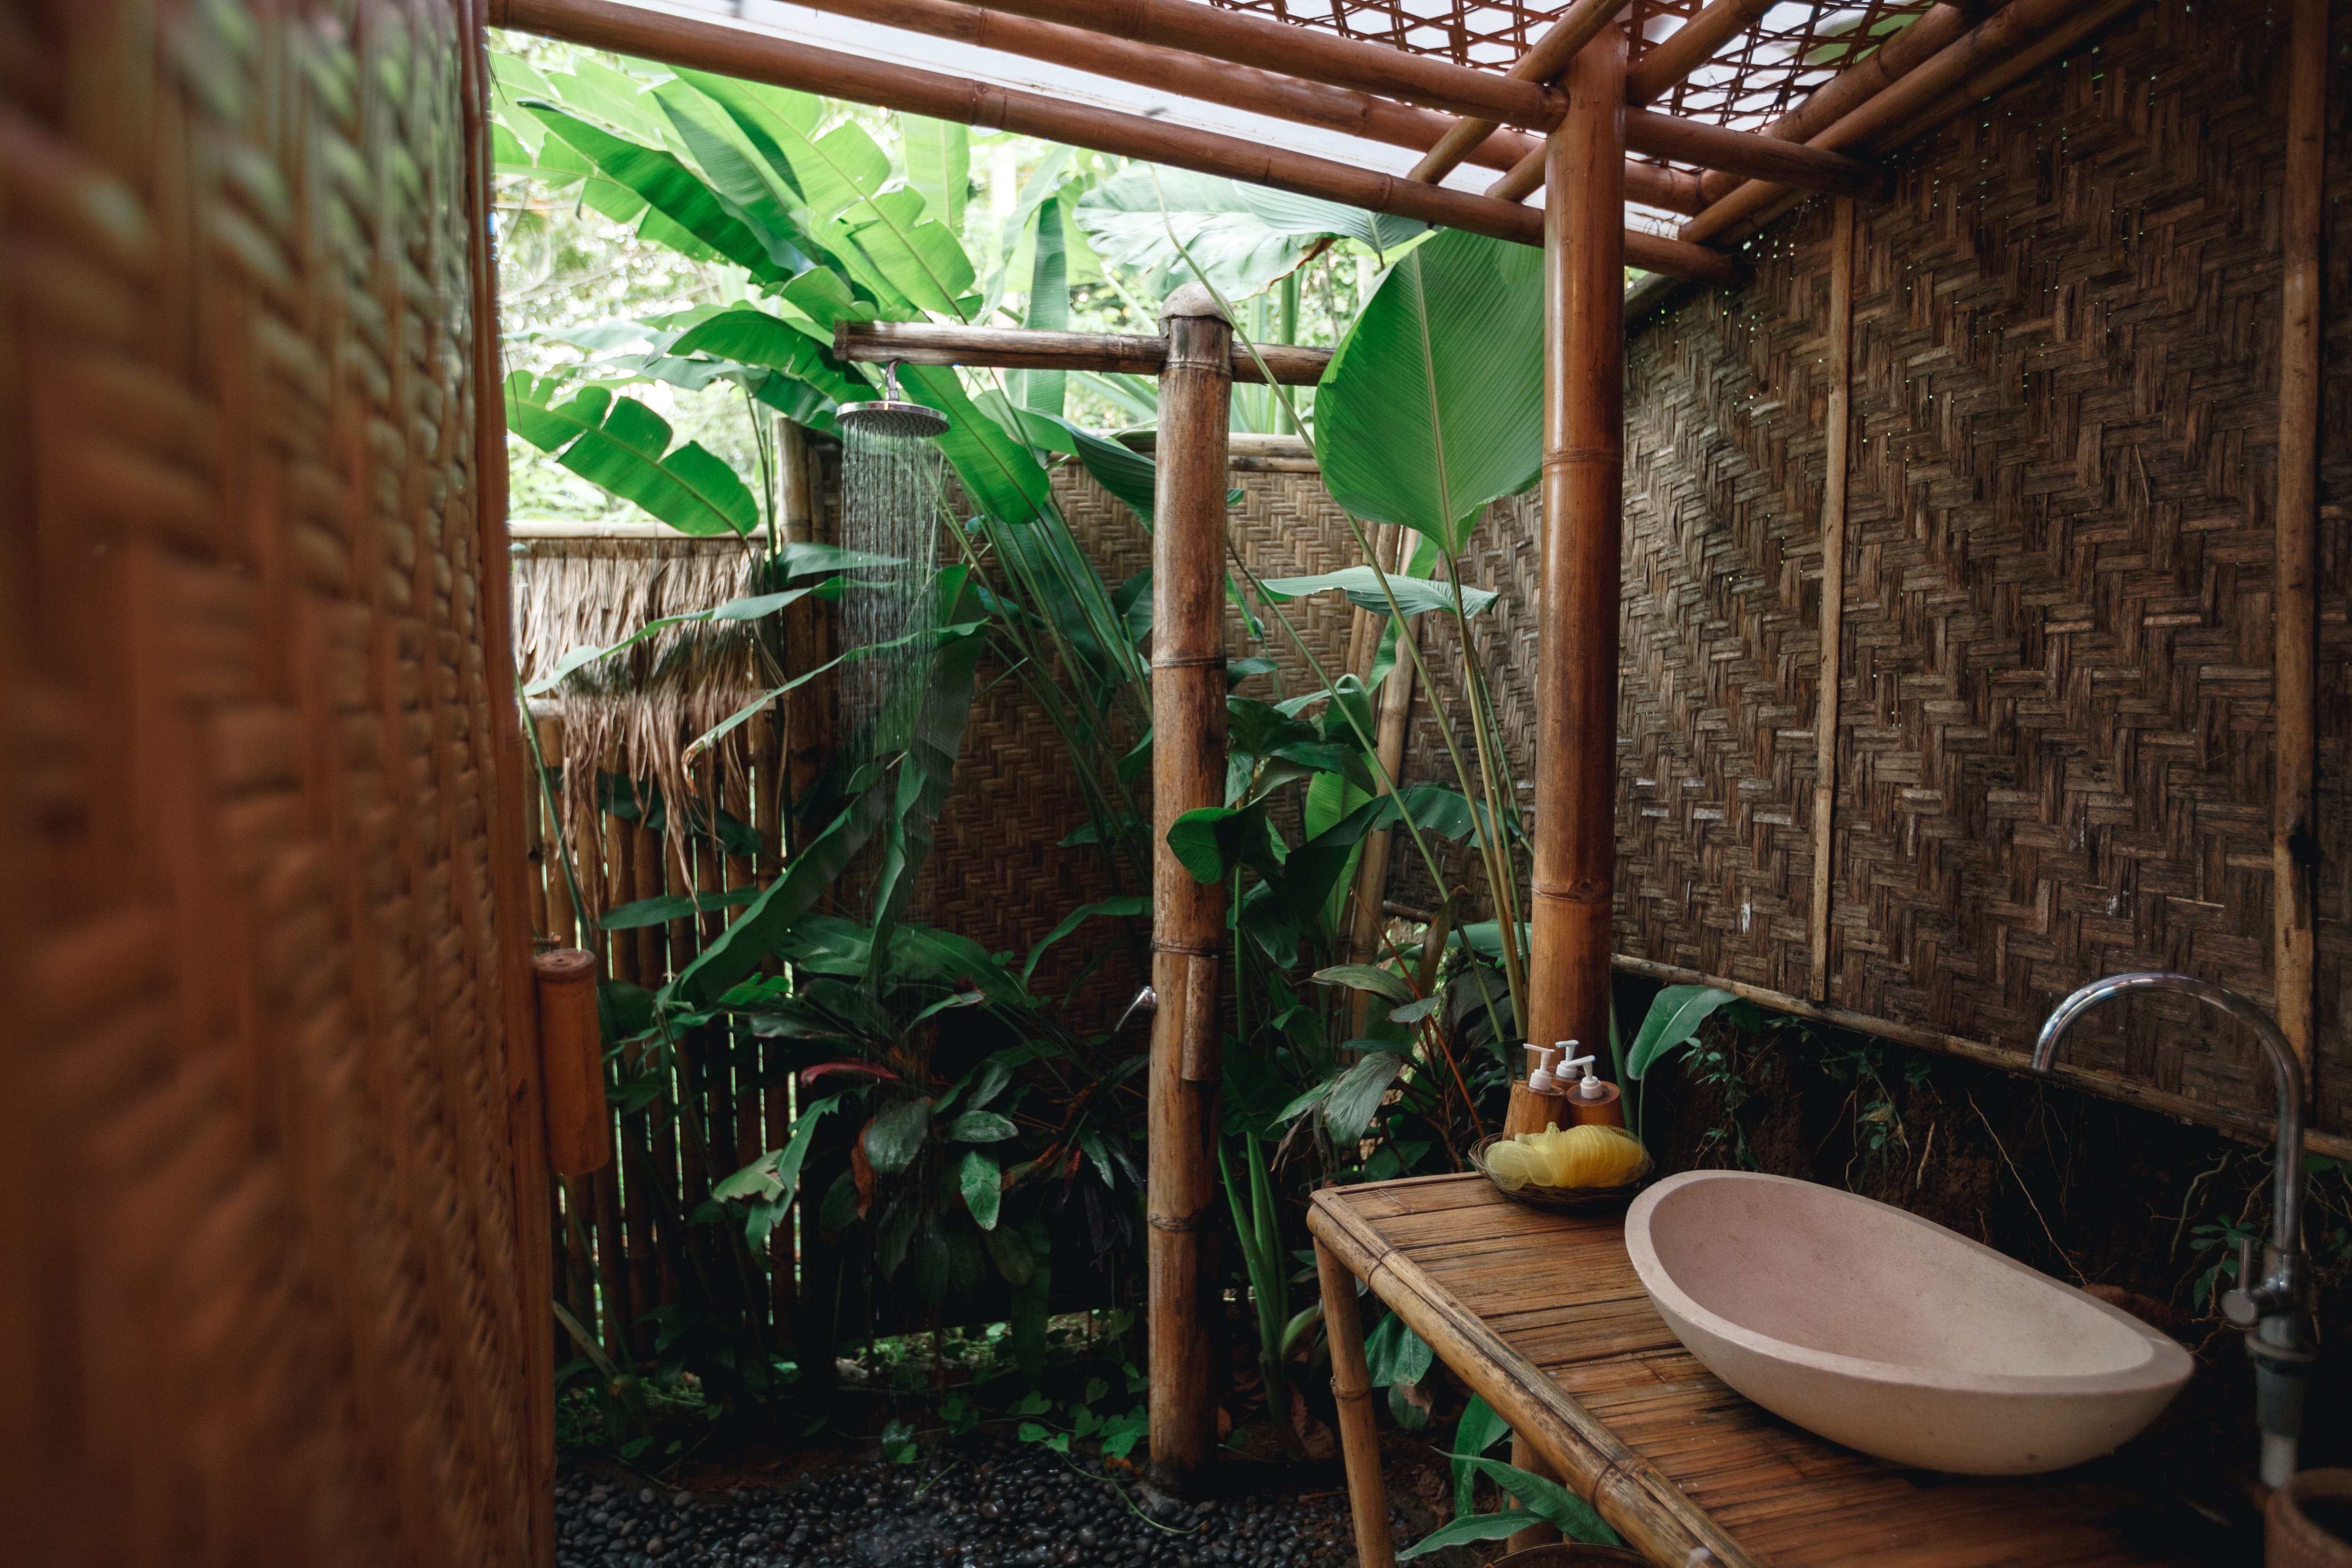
(987, 1506)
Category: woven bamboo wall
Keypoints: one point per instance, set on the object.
(263, 1299)
(2055, 742)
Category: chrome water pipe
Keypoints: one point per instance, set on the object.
(2276, 1308)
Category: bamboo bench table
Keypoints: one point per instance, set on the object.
(1542, 1315)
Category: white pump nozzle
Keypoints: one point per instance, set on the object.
(1588, 1087)
(1541, 1080)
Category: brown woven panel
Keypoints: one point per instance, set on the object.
(2054, 744)
(265, 1205)
(998, 874)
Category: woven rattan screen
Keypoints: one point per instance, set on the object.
(2054, 745)
(262, 1298)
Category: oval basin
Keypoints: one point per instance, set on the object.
(1889, 1333)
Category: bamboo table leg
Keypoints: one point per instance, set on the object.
(1360, 1441)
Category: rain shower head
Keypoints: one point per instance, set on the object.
(893, 416)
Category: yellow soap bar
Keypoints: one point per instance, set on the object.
(1592, 1155)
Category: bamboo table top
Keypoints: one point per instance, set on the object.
(1465, 1267)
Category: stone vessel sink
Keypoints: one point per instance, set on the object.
(1891, 1334)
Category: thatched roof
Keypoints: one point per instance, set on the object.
(635, 713)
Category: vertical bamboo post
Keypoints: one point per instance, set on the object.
(1351, 1389)
(1831, 666)
(1188, 770)
(1583, 476)
(2294, 611)
(571, 1062)
(1584, 460)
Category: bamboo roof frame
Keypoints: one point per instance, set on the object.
(1758, 104)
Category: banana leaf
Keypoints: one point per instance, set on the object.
(621, 445)
(1433, 406)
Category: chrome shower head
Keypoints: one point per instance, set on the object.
(892, 415)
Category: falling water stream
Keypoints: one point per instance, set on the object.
(890, 502)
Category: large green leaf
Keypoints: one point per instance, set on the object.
(1433, 406)
(1128, 475)
(1546, 1500)
(1415, 595)
(1673, 1021)
(620, 444)
(752, 936)
(939, 164)
(751, 336)
(1239, 250)
(671, 188)
(1049, 309)
(742, 179)
(845, 178)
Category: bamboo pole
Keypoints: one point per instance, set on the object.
(1188, 769)
(2295, 627)
(1576, 675)
(1790, 163)
(1024, 348)
(1576, 684)
(1689, 46)
(1965, 65)
(733, 51)
(1351, 1390)
(1575, 26)
(572, 1059)
(1829, 679)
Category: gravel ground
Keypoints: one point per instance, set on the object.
(1000, 1505)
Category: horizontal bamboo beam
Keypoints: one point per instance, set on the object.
(1668, 136)
(1960, 73)
(1576, 28)
(1685, 140)
(1302, 51)
(1178, 71)
(758, 57)
(1022, 348)
(1690, 46)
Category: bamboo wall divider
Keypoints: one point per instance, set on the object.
(2294, 623)
(1834, 466)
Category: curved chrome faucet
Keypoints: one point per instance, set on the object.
(2276, 1308)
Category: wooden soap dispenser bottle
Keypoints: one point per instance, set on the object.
(1537, 1102)
(1590, 1100)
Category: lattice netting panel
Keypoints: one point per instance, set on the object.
(263, 1295)
(2054, 746)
